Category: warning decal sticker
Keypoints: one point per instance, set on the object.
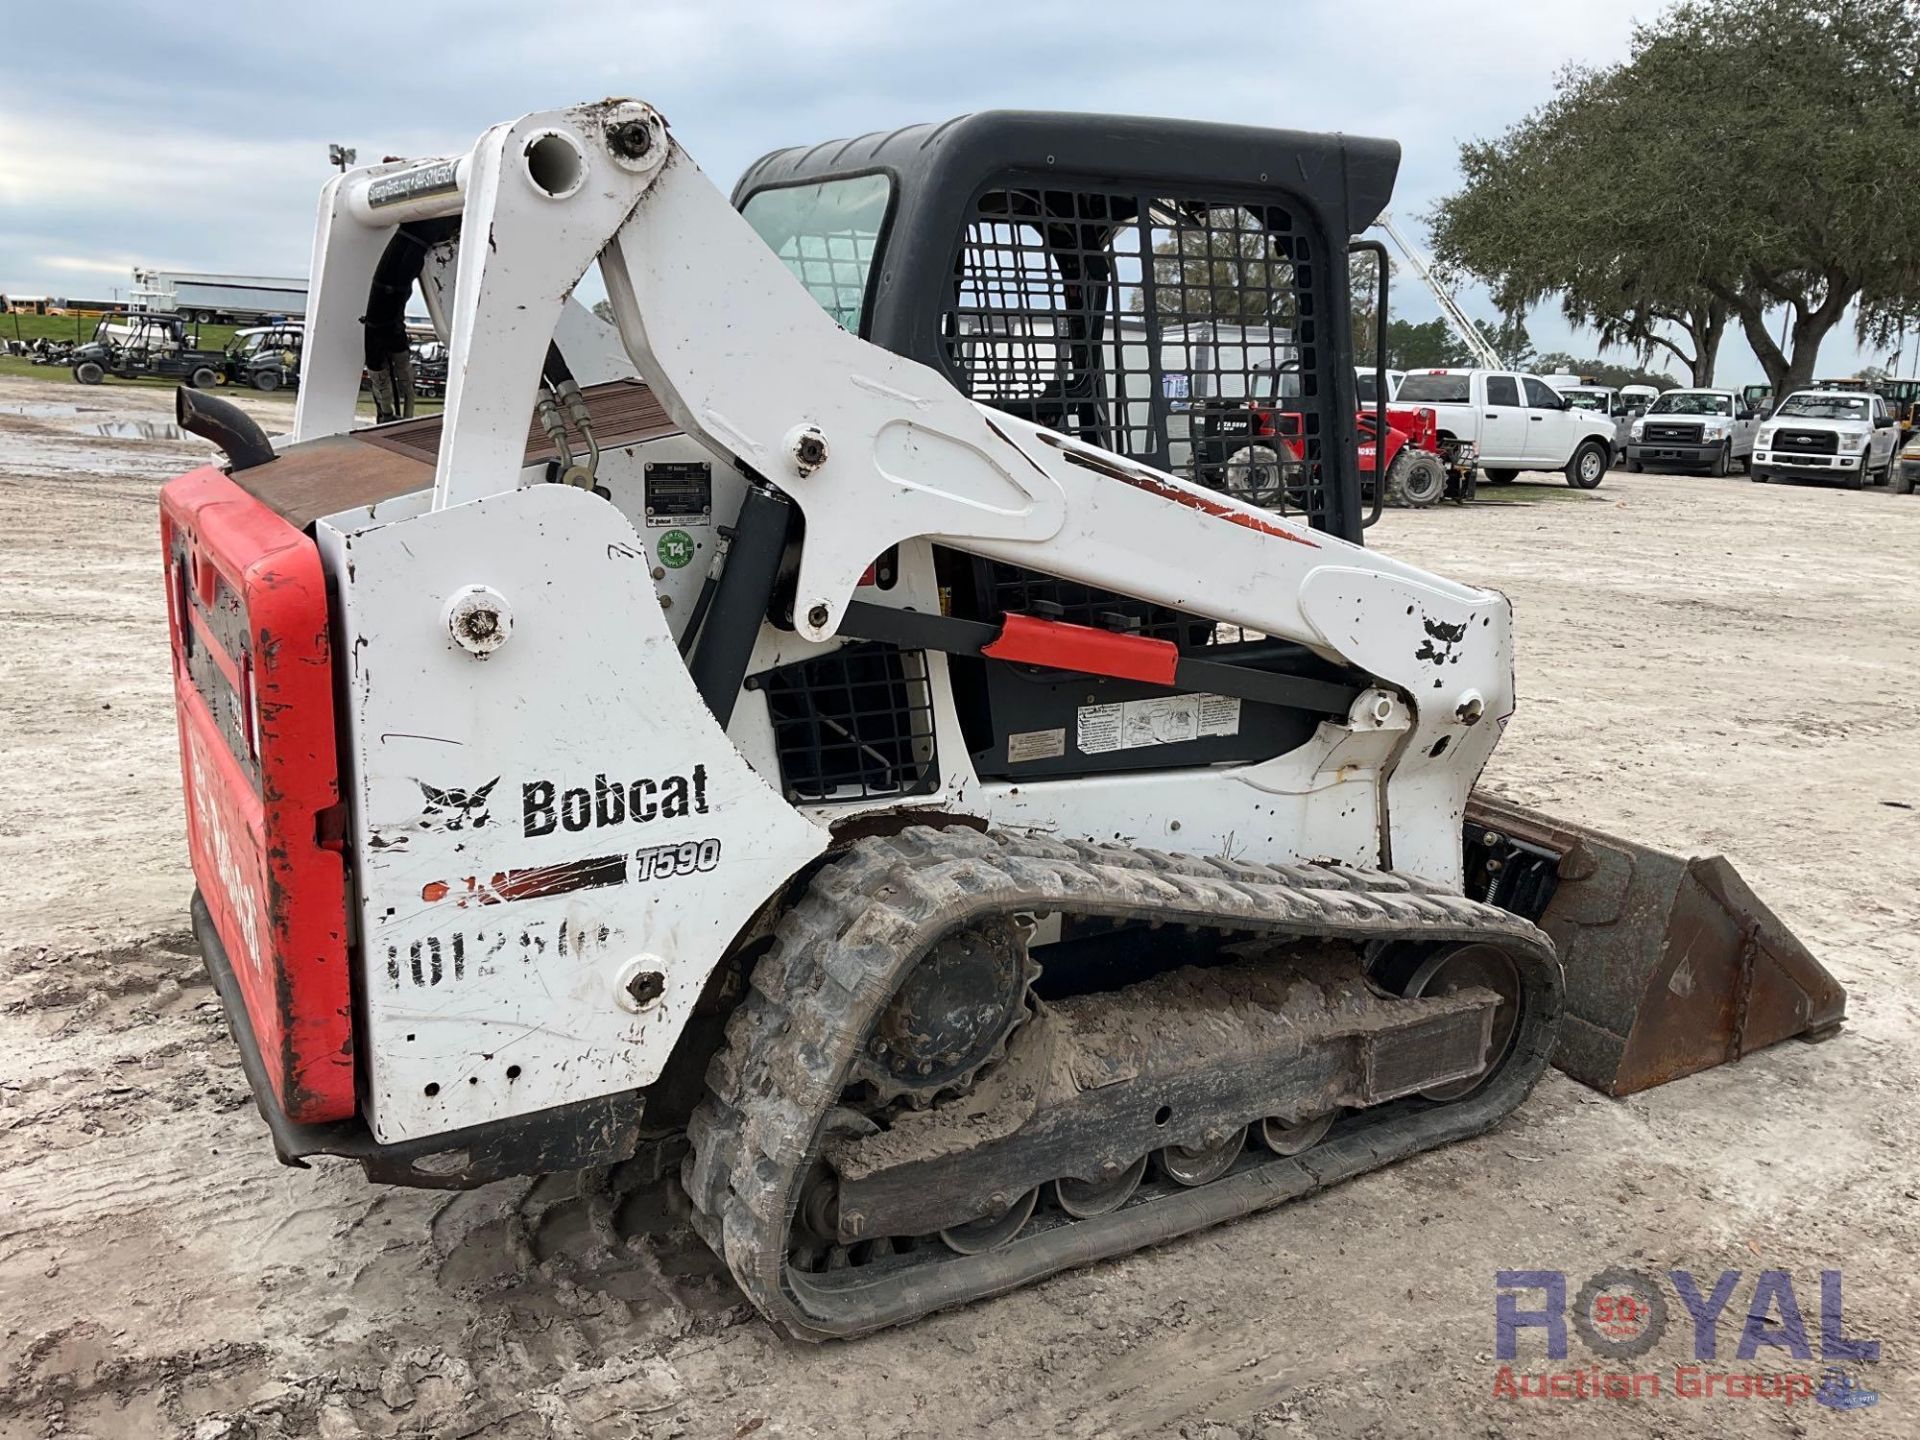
(1163, 720)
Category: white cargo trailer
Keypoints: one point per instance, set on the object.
(227, 299)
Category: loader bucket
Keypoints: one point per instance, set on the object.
(1672, 965)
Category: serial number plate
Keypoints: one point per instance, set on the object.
(679, 492)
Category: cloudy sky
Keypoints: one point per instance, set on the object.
(196, 139)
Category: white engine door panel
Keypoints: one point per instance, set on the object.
(540, 834)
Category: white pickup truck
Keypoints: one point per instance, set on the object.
(1518, 422)
(1849, 436)
(1710, 430)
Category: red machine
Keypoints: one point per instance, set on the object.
(1250, 448)
(1422, 467)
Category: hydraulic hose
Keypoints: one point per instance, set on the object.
(566, 391)
(388, 354)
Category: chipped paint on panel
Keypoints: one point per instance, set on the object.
(504, 822)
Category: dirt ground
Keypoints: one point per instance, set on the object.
(1707, 664)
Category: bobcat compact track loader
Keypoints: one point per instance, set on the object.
(816, 732)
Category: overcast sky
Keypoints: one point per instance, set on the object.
(196, 138)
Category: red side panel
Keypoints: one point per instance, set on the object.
(1029, 641)
(1404, 427)
(253, 684)
(1420, 424)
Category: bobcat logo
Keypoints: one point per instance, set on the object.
(455, 809)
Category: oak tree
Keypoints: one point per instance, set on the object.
(1750, 156)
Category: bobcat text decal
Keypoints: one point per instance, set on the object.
(546, 808)
(536, 882)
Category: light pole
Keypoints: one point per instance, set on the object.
(340, 155)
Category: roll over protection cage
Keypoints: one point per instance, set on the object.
(1312, 192)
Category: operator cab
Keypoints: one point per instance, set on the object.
(1099, 275)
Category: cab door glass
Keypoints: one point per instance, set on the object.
(827, 233)
(1502, 390)
(1540, 396)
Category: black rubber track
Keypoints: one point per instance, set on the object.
(864, 922)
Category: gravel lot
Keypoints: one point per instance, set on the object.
(1706, 664)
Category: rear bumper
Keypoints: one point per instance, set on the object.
(570, 1137)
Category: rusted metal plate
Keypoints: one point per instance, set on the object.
(366, 467)
(324, 477)
(625, 412)
(1672, 965)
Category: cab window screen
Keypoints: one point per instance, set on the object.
(1145, 322)
(827, 234)
(1435, 389)
(1501, 390)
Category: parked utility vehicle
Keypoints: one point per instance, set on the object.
(1906, 473)
(266, 357)
(135, 345)
(1516, 422)
(1709, 430)
(1252, 448)
(430, 370)
(1903, 403)
(1828, 435)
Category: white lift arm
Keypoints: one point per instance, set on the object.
(874, 449)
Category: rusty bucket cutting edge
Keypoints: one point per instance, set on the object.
(1672, 965)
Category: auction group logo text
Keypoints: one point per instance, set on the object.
(1621, 1314)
